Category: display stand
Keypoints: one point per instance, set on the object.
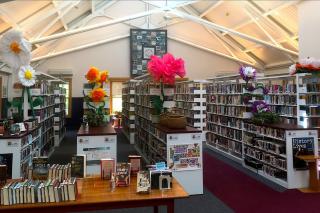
(97, 143)
(314, 184)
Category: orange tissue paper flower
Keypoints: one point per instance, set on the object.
(103, 77)
(97, 95)
(92, 75)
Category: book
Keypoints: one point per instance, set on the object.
(107, 166)
(143, 182)
(40, 168)
(78, 166)
(123, 174)
(3, 174)
(135, 161)
(161, 179)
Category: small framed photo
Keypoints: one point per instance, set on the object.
(148, 52)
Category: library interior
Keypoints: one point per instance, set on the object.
(186, 106)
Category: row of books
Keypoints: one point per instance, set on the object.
(276, 147)
(266, 158)
(282, 89)
(227, 145)
(233, 111)
(42, 114)
(225, 99)
(186, 88)
(42, 88)
(265, 131)
(48, 100)
(281, 99)
(222, 88)
(158, 133)
(186, 97)
(225, 131)
(35, 191)
(274, 172)
(311, 98)
(313, 87)
(225, 121)
(284, 110)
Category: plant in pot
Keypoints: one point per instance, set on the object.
(164, 71)
(96, 114)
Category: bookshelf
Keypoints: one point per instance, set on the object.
(270, 151)
(128, 109)
(59, 115)
(191, 102)
(39, 137)
(156, 143)
(225, 113)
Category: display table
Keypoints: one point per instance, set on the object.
(97, 143)
(314, 184)
(94, 194)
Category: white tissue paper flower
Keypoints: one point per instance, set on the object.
(27, 76)
(14, 49)
(292, 69)
(316, 63)
(249, 71)
(306, 61)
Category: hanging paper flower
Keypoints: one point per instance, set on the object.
(103, 77)
(247, 73)
(305, 65)
(292, 69)
(27, 76)
(164, 70)
(92, 75)
(14, 49)
(97, 95)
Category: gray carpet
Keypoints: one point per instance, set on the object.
(205, 203)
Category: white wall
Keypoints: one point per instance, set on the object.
(309, 31)
(115, 57)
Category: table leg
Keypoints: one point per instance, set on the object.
(155, 209)
(170, 206)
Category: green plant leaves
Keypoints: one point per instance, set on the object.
(157, 104)
(37, 102)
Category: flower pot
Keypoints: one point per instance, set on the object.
(173, 121)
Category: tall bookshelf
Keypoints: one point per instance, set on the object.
(128, 109)
(190, 99)
(225, 113)
(156, 143)
(39, 137)
(59, 115)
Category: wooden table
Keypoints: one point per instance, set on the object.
(95, 194)
(314, 185)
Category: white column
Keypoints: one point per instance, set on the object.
(309, 31)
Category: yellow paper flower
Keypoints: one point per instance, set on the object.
(93, 75)
(14, 49)
(97, 95)
(103, 77)
(27, 76)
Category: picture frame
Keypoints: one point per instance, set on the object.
(143, 44)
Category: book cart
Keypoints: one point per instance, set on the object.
(17, 151)
(180, 149)
(269, 150)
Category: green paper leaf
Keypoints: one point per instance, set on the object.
(37, 102)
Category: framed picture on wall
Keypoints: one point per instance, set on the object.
(144, 44)
(148, 52)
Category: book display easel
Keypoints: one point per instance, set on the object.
(180, 149)
(191, 101)
(17, 150)
(269, 150)
(128, 109)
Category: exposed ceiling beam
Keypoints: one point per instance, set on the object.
(48, 26)
(211, 7)
(252, 57)
(105, 24)
(225, 29)
(273, 23)
(266, 13)
(60, 15)
(209, 50)
(82, 47)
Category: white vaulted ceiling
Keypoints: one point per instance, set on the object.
(259, 33)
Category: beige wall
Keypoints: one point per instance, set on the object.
(115, 57)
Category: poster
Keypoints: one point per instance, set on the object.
(94, 155)
(302, 146)
(184, 157)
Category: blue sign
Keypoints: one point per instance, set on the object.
(161, 166)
